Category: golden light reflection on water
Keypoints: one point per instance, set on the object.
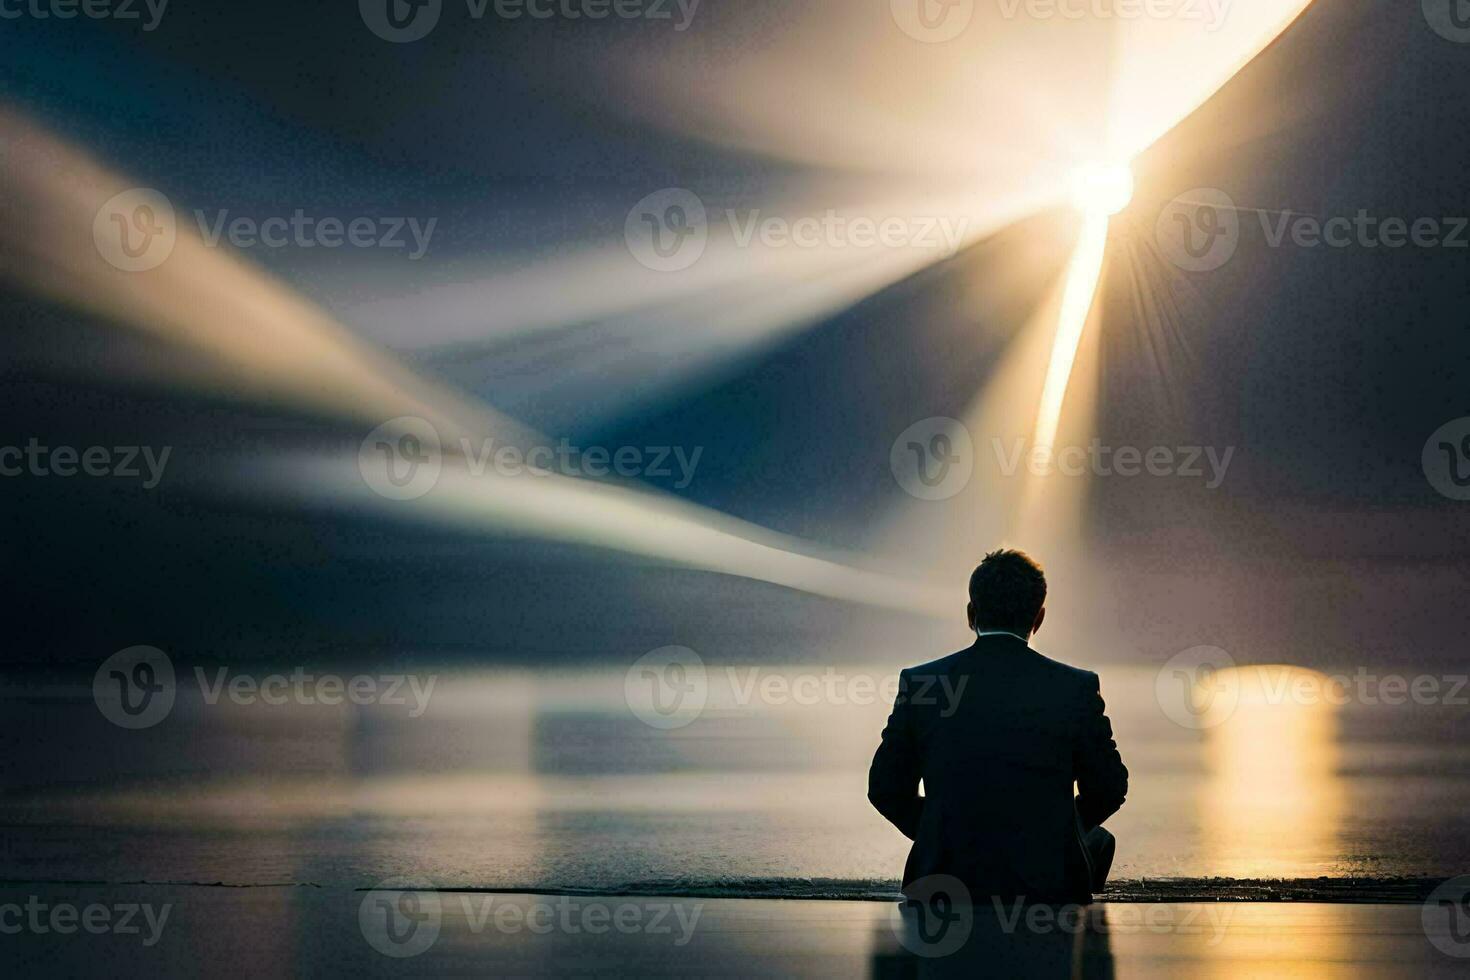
(511, 775)
(1272, 803)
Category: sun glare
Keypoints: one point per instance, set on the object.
(1102, 189)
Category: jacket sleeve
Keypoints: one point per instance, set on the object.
(893, 779)
(1102, 779)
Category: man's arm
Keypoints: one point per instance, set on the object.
(893, 779)
(1102, 779)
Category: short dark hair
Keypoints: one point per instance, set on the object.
(1007, 589)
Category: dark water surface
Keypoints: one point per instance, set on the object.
(549, 780)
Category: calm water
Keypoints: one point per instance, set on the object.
(520, 779)
(279, 932)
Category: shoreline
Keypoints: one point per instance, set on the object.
(1323, 890)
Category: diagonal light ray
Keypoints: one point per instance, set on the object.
(262, 343)
(1083, 272)
(1167, 67)
(509, 299)
(743, 293)
(607, 516)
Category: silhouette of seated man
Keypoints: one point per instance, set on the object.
(999, 735)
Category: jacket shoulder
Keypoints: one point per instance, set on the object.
(1077, 675)
(1063, 673)
(943, 665)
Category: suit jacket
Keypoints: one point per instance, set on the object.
(999, 734)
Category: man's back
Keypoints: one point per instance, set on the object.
(999, 733)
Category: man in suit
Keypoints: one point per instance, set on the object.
(999, 735)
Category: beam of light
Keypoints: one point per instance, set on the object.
(608, 516)
(253, 339)
(1167, 67)
(484, 326)
(856, 93)
(853, 92)
(237, 332)
(1005, 503)
(505, 299)
(1099, 191)
(1083, 273)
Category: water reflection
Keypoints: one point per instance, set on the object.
(1272, 804)
(1070, 941)
(517, 778)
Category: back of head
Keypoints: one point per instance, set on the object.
(1007, 592)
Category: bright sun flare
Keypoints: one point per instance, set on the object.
(1102, 189)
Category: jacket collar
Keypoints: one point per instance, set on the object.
(1001, 641)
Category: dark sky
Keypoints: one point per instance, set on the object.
(1326, 369)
